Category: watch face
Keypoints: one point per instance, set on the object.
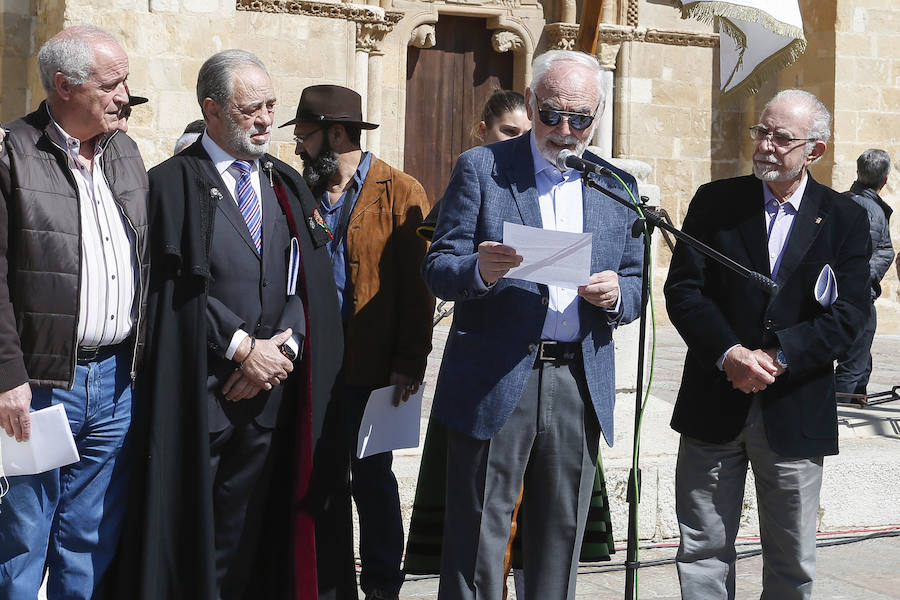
(288, 352)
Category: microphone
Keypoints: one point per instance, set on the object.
(566, 159)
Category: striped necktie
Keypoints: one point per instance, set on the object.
(248, 203)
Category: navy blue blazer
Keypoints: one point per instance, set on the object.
(493, 340)
(713, 309)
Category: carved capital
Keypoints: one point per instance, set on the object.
(561, 36)
(423, 36)
(507, 41)
(370, 35)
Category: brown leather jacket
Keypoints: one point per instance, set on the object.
(389, 328)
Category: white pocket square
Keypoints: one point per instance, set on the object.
(826, 291)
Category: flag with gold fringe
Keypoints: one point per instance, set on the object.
(756, 39)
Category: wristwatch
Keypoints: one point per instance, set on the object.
(780, 359)
(288, 352)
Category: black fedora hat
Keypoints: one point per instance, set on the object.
(330, 104)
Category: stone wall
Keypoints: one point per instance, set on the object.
(867, 109)
(666, 108)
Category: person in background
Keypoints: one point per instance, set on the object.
(191, 134)
(526, 383)
(125, 112)
(503, 117)
(372, 211)
(73, 290)
(851, 376)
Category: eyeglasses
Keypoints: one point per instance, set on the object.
(301, 139)
(552, 118)
(760, 132)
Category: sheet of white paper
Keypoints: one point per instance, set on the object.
(51, 444)
(387, 427)
(559, 258)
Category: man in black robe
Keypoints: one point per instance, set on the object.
(244, 346)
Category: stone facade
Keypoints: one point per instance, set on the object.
(665, 111)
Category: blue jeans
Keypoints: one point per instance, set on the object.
(71, 517)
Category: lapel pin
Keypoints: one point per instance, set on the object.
(818, 220)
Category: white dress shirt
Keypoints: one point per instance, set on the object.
(109, 265)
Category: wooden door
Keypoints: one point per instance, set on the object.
(446, 88)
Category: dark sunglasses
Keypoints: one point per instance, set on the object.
(552, 118)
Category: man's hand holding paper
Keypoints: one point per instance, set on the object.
(495, 260)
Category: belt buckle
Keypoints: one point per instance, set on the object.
(88, 353)
(541, 355)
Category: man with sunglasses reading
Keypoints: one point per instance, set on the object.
(758, 384)
(526, 383)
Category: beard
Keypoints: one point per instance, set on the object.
(768, 168)
(563, 140)
(239, 142)
(319, 169)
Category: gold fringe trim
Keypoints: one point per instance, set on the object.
(723, 15)
(764, 70)
(707, 12)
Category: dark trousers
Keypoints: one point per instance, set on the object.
(241, 461)
(851, 375)
(373, 487)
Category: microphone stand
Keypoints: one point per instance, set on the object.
(652, 219)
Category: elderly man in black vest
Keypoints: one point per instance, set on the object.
(73, 282)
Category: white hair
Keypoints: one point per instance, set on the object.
(819, 115)
(543, 63)
(185, 140)
(71, 52)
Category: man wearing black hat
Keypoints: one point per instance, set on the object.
(371, 211)
(125, 111)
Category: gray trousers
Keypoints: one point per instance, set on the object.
(709, 492)
(550, 442)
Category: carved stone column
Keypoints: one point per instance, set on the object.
(368, 80)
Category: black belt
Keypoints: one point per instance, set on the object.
(559, 353)
(87, 354)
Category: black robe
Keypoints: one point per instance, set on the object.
(167, 549)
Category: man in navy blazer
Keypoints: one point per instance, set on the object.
(527, 379)
(758, 384)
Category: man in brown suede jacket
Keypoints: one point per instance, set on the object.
(372, 211)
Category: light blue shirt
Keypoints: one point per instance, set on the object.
(561, 204)
(779, 222)
(337, 247)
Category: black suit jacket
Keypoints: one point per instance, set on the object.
(713, 309)
(247, 290)
(168, 537)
